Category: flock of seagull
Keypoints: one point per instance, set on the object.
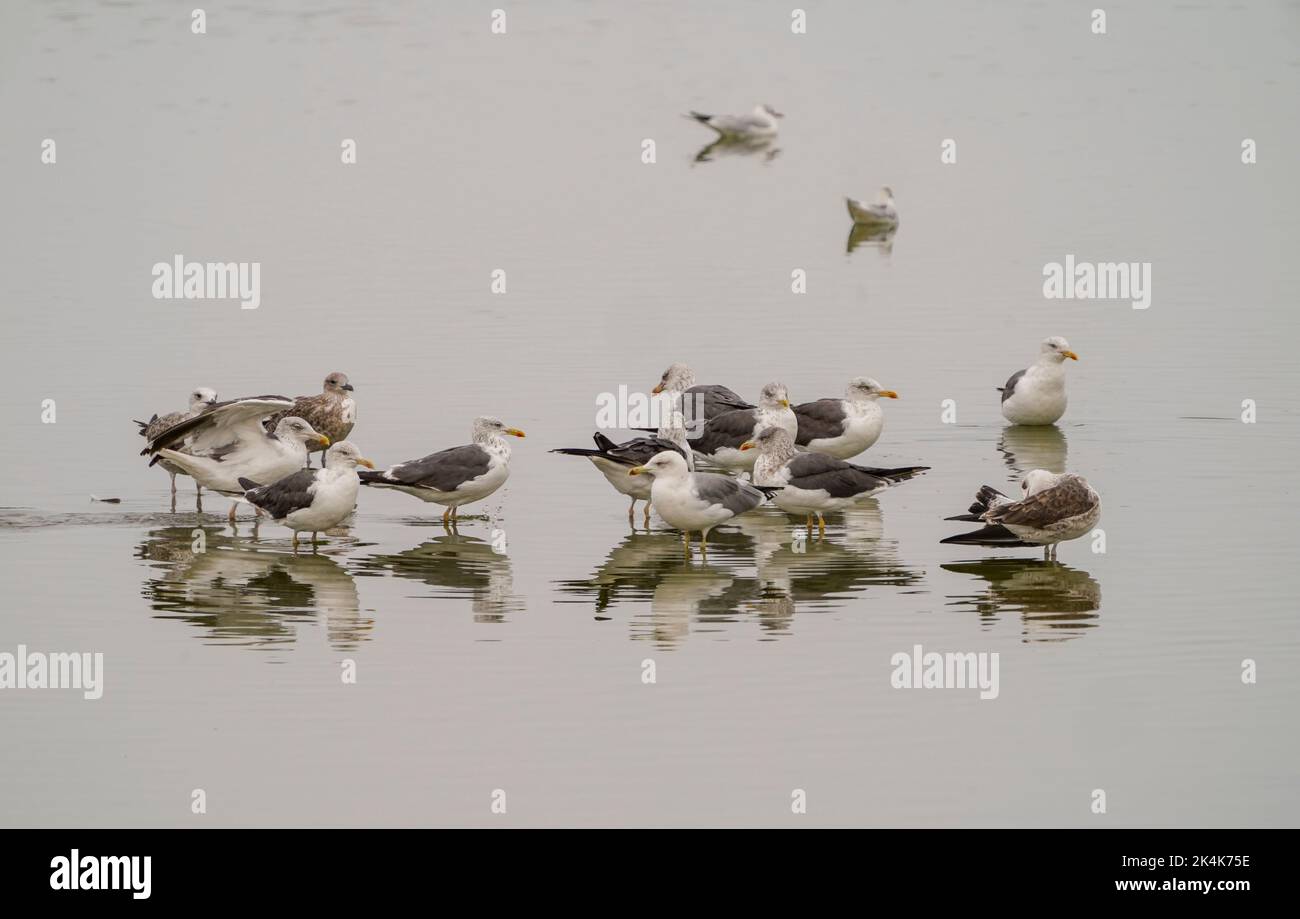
(713, 457)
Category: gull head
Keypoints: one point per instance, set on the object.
(337, 382)
(865, 389)
(1037, 480)
(201, 398)
(771, 440)
(486, 427)
(345, 455)
(666, 464)
(886, 195)
(1057, 349)
(768, 110)
(295, 430)
(677, 378)
(774, 396)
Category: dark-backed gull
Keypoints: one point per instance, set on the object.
(312, 500)
(720, 441)
(843, 428)
(1037, 395)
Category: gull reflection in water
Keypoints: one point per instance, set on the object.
(756, 571)
(457, 567)
(238, 594)
(871, 236)
(1055, 602)
(739, 146)
(1033, 446)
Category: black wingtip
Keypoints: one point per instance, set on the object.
(248, 484)
(578, 451)
(994, 536)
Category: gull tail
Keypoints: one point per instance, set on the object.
(373, 477)
(994, 535)
(985, 499)
(767, 490)
(144, 425)
(578, 451)
(899, 474)
(700, 117)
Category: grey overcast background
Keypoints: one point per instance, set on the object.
(478, 671)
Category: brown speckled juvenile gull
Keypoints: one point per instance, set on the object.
(333, 412)
(200, 399)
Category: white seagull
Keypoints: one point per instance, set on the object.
(721, 440)
(882, 213)
(457, 475)
(226, 442)
(815, 483)
(695, 500)
(761, 122)
(201, 398)
(843, 428)
(1053, 509)
(312, 500)
(1037, 395)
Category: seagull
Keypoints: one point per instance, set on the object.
(1053, 509)
(696, 500)
(311, 500)
(882, 213)
(815, 483)
(457, 475)
(333, 412)
(714, 399)
(721, 440)
(614, 460)
(227, 443)
(843, 428)
(761, 122)
(200, 399)
(1037, 395)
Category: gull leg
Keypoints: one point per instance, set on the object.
(809, 521)
(821, 526)
(231, 515)
(295, 542)
(686, 541)
(1047, 553)
(173, 502)
(173, 475)
(704, 543)
(446, 516)
(631, 510)
(647, 515)
(314, 534)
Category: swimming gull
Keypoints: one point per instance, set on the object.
(882, 213)
(815, 483)
(843, 428)
(761, 122)
(1037, 395)
(200, 399)
(333, 411)
(457, 475)
(720, 441)
(312, 500)
(226, 442)
(1054, 508)
(700, 501)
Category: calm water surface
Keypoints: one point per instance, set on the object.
(480, 669)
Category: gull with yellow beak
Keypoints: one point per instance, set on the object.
(696, 501)
(457, 475)
(843, 428)
(311, 500)
(721, 439)
(1037, 395)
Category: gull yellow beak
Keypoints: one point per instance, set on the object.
(785, 403)
(365, 462)
(889, 394)
(748, 445)
(513, 432)
(657, 390)
(323, 440)
(636, 470)
(1071, 355)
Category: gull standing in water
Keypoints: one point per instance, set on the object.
(333, 412)
(312, 500)
(815, 483)
(1037, 395)
(761, 122)
(691, 501)
(881, 214)
(226, 442)
(457, 475)
(843, 428)
(722, 438)
(200, 399)
(1053, 509)
(713, 399)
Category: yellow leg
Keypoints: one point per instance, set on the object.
(446, 516)
(295, 542)
(821, 526)
(686, 540)
(704, 542)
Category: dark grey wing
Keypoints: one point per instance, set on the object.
(993, 536)
(821, 419)
(284, 496)
(1011, 385)
(717, 400)
(640, 450)
(813, 471)
(733, 494)
(445, 470)
(730, 429)
(1068, 498)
